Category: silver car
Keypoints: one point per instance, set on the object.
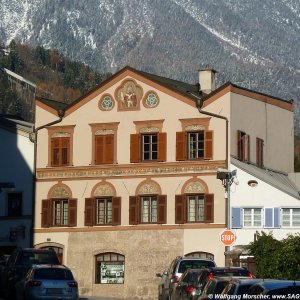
(47, 282)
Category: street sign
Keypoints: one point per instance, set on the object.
(227, 237)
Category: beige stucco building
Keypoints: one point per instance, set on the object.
(126, 175)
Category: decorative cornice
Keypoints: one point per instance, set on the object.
(130, 228)
(136, 170)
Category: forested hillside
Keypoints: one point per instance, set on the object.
(55, 76)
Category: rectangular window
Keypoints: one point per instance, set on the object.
(291, 217)
(149, 209)
(149, 147)
(243, 146)
(104, 211)
(259, 152)
(60, 151)
(104, 149)
(195, 145)
(14, 204)
(60, 212)
(195, 208)
(252, 217)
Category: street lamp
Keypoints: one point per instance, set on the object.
(227, 177)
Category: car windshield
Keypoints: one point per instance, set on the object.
(194, 264)
(53, 273)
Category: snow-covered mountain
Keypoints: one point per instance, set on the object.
(252, 43)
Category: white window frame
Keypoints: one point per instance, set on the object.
(291, 217)
(252, 210)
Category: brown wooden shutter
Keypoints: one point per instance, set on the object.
(65, 150)
(208, 144)
(89, 212)
(162, 209)
(180, 145)
(259, 152)
(134, 148)
(239, 145)
(162, 146)
(55, 151)
(116, 210)
(46, 213)
(99, 148)
(134, 207)
(246, 139)
(209, 208)
(109, 149)
(180, 211)
(72, 203)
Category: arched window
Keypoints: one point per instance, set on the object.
(201, 255)
(59, 252)
(110, 267)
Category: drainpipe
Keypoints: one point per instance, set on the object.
(199, 103)
(33, 139)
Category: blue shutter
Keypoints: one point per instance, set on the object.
(269, 217)
(276, 217)
(236, 217)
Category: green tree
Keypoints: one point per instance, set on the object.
(288, 258)
(264, 251)
(276, 259)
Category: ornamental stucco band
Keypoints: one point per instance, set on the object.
(43, 174)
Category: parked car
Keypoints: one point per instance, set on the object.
(47, 282)
(239, 286)
(214, 287)
(178, 266)
(18, 264)
(208, 273)
(185, 288)
(275, 287)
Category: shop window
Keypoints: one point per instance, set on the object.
(110, 268)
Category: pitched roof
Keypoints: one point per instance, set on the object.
(12, 122)
(189, 90)
(53, 103)
(277, 179)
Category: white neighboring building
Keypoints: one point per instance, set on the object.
(16, 184)
(264, 200)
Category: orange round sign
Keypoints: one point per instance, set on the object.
(227, 237)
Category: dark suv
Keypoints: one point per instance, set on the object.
(205, 274)
(19, 262)
(178, 266)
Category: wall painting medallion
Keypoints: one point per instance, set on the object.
(129, 95)
(106, 102)
(151, 99)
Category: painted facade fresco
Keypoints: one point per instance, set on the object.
(129, 95)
